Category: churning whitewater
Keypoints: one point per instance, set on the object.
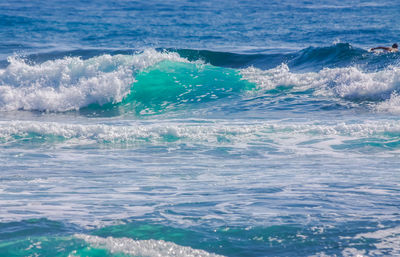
(73, 83)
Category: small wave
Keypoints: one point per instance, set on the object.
(235, 60)
(337, 55)
(145, 248)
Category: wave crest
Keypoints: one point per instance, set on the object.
(72, 83)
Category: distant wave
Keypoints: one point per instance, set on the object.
(308, 59)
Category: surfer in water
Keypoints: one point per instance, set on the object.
(394, 48)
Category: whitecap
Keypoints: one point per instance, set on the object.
(72, 83)
(145, 248)
(349, 83)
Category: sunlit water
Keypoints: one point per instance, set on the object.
(199, 129)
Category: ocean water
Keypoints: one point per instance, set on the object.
(199, 128)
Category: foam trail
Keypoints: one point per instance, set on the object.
(145, 248)
(217, 132)
(72, 83)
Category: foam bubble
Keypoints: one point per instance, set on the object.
(72, 83)
(146, 248)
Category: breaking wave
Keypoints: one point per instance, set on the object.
(72, 83)
(154, 82)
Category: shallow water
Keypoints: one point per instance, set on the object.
(199, 129)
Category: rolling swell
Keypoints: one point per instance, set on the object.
(308, 59)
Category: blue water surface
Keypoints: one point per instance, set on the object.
(199, 128)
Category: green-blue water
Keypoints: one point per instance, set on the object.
(199, 128)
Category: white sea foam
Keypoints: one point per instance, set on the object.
(72, 83)
(387, 241)
(216, 132)
(391, 105)
(349, 83)
(279, 76)
(145, 248)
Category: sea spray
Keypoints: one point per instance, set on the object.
(72, 83)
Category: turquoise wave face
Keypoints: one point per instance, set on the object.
(176, 85)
